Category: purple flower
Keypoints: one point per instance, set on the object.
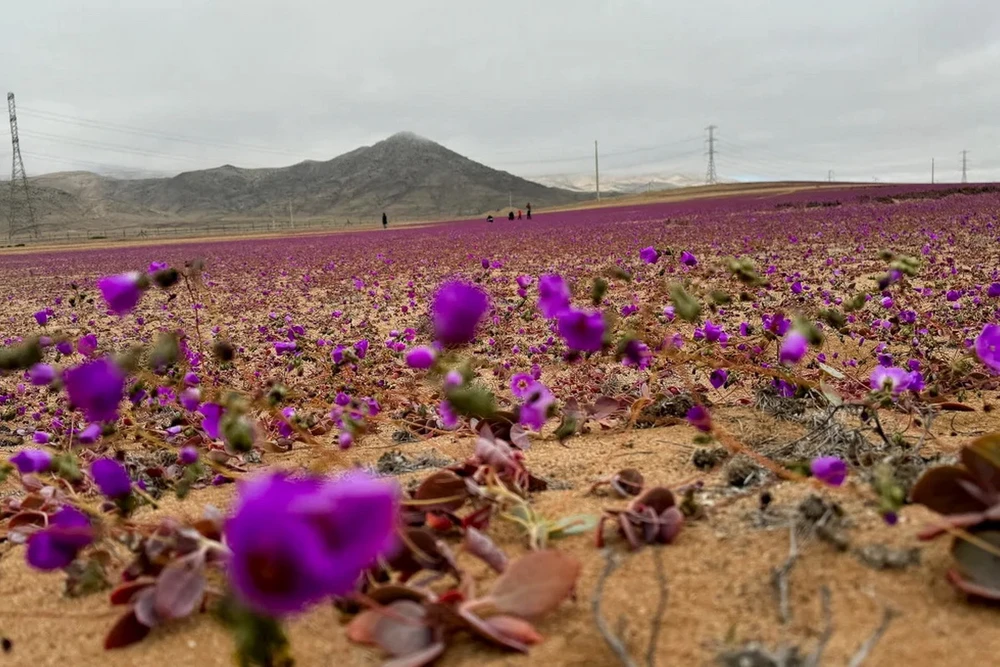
(649, 255)
(637, 354)
(96, 388)
(337, 354)
(553, 295)
(87, 345)
(797, 287)
(41, 375)
(538, 400)
(89, 435)
(890, 379)
(718, 378)
(988, 347)
(298, 541)
(699, 418)
(41, 437)
(31, 460)
(41, 317)
(520, 383)
(187, 455)
(953, 295)
(157, 266)
(361, 348)
(713, 332)
(111, 478)
(688, 259)
(342, 399)
(284, 347)
(191, 379)
(449, 418)
(212, 415)
(793, 348)
(420, 357)
(994, 290)
(345, 440)
(190, 398)
(56, 547)
(64, 347)
(829, 469)
(458, 307)
(583, 331)
(122, 292)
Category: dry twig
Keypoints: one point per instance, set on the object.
(869, 645)
(780, 576)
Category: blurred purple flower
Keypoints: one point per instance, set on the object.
(993, 290)
(520, 383)
(718, 378)
(420, 358)
(89, 435)
(793, 348)
(212, 415)
(87, 345)
(190, 398)
(298, 541)
(30, 461)
(361, 348)
(537, 401)
(187, 455)
(457, 309)
(636, 354)
(829, 469)
(41, 317)
(553, 295)
(688, 259)
(699, 418)
(583, 331)
(892, 379)
(41, 437)
(64, 347)
(111, 478)
(96, 388)
(121, 292)
(157, 266)
(41, 375)
(55, 547)
(988, 347)
(649, 255)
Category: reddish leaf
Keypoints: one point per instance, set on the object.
(22, 519)
(939, 489)
(514, 628)
(627, 482)
(400, 637)
(982, 458)
(519, 438)
(144, 607)
(124, 593)
(976, 565)
(484, 630)
(443, 484)
(126, 631)
(956, 407)
(481, 546)
(361, 629)
(535, 583)
(604, 407)
(180, 588)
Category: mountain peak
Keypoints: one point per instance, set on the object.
(408, 137)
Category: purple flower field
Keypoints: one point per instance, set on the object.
(405, 445)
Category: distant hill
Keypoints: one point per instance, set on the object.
(405, 175)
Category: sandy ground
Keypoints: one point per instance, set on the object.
(719, 573)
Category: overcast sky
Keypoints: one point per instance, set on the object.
(866, 88)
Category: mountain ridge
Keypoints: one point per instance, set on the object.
(405, 175)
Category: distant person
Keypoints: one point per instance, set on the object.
(510, 215)
(385, 221)
(489, 218)
(529, 210)
(518, 214)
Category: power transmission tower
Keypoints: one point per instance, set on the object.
(711, 177)
(829, 176)
(597, 173)
(18, 180)
(965, 177)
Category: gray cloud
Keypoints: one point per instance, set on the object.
(867, 89)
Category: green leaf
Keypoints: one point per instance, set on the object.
(573, 525)
(831, 371)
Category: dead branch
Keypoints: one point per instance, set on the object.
(616, 645)
(827, 633)
(869, 645)
(779, 577)
(661, 608)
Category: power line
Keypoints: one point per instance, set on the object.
(18, 178)
(710, 176)
(965, 178)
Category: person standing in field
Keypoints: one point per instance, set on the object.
(518, 214)
(510, 215)
(529, 210)
(385, 221)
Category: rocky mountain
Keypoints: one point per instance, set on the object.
(405, 175)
